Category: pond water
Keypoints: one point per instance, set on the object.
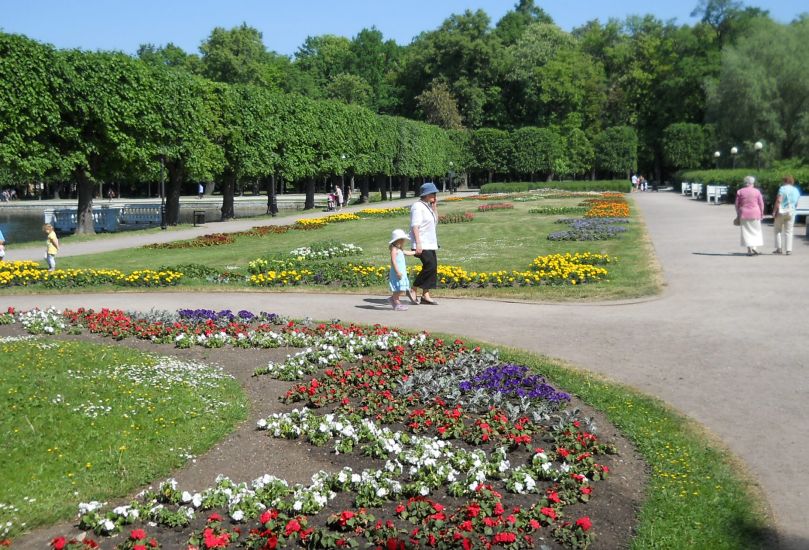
(25, 225)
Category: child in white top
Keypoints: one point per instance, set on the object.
(398, 268)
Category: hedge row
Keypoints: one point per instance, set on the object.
(621, 186)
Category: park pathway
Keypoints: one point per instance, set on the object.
(725, 343)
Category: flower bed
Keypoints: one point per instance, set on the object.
(26, 273)
(456, 217)
(611, 207)
(214, 239)
(383, 212)
(452, 447)
(557, 210)
(325, 250)
(495, 206)
(559, 270)
(590, 229)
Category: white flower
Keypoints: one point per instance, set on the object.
(261, 424)
(197, 500)
(238, 515)
(297, 506)
(108, 526)
(186, 496)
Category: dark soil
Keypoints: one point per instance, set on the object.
(248, 453)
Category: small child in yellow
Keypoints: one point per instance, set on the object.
(398, 268)
(52, 244)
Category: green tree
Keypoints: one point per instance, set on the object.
(685, 145)
(460, 52)
(350, 89)
(375, 59)
(28, 109)
(491, 149)
(238, 56)
(438, 106)
(763, 89)
(186, 132)
(169, 56)
(616, 150)
(319, 60)
(510, 27)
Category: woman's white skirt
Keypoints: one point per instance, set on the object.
(751, 233)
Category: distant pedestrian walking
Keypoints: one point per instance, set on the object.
(2, 246)
(783, 215)
(750, 212)
(200, 190)
(52, 244)
(338, 192)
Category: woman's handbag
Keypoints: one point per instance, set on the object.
(736, 221)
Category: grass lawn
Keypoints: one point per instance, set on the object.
(493, 241)
(86, 422)
(698, 496)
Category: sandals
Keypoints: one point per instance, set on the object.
(413, 298)
(429, 302)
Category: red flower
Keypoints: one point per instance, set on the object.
(214, 517)
(534, 524)
(553, 496)
(58, 543)
(586, 490)
(505, 537)
(584, 522)
(549, 512)
(137, 534)
(292, 527)
(139, 547)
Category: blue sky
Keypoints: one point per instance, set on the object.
(285, 24)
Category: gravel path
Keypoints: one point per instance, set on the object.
(724, 343)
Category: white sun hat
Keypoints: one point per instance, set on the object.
(397, 234)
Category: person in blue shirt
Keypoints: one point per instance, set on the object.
(783, 214)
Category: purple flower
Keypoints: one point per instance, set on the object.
(516, 381)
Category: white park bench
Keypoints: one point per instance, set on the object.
(696, 190)
(802, 209)
(685, 189)
(716, 193)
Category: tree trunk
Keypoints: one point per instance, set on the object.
(382, 182)
(272, 200)
(84, 210)
(228, 189)
(364, 189)
(310, 193)
(176, 172)
(404, 184)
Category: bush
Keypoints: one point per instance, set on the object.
(620, 186)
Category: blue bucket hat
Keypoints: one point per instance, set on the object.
(427, 189)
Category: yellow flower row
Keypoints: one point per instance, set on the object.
(280, 278)
(311, 222)
(382, 212)
(336, 218)
(26, 273)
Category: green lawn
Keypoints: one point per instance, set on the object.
(86, 422)
(496, 240)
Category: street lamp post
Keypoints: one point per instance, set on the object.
(716, 156)
(733, 152)
(162, 193)
(451, 174)
(758, 146)
(343, 178)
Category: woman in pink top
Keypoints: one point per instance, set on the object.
(750, 211)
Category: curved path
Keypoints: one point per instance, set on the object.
(726, 343)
